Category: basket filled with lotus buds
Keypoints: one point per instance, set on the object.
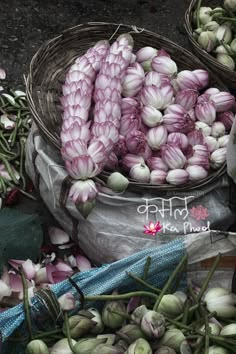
(128, 107)
(211, 29)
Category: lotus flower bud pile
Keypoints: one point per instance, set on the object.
(141, 115)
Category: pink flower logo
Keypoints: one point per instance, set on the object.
(152, 228)
(199, 212)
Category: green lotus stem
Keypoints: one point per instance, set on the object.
(13, 135)
(27, 194)
(199, 346)
(198, 10)
(208, 278)
(207, 329)
(22, 154)
(3, 187)
(233, 19)
(146, 268)
(4, 148)
(192, 309)
(9, 169)
(194, 297)
(121, 296)
(5, 141)
(26, 302)
(144, 283)
(186, 311)
(121, 313)
(68, 333)
(201, 320)
(169, 282)
(47, 334)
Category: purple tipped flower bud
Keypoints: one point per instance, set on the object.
(178, 139)
(227, 118)
(173, 156)
(156, 163)
(177, 177)
(158, 177)
(186, 98)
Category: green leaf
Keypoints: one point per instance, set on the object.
(21, 236)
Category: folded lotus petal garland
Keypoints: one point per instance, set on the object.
(137, 114)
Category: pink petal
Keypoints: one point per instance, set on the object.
(2, 74)
(15, 263)
(67, 301)
(58, 236)
(5, 275)
(62, 266)
(15, 282)
(41, 276)
(56, 276)
(133, 303)
(4, 289)
(83, 263)
(29, 269)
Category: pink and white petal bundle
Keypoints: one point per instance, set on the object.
(136, 142)
(177, 119)
(200, 156)
(178, 139)
(156, 163)
(173, 156)
(133, 80)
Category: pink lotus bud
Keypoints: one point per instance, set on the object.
(218, 158)
(212, 143)
(156, 163)
(67, 302)
(192, 114)
(73, 149)
(195, 137)
(203, 128)
(112, 70)
(152, 96)
(136, 142)
(151, 116)
(133, 80)
(167, 93)
(108, 129)
(58, 236)
(120, 148)
(177, 177)
(173, 156)
(158, 177)
(129, 105)
(97, 151)
(162, 53)
(103, 81)
(147, 153)
(84, 66)
(129, 160)
(156, 137)
(82, 167)
(56, 275)
(203, 77)
(76, 76)
(212, 91)
(217, 129)
(186, 79)
(186, 98)
(196, 173)
(107, 93)
(227, 118)
(164, 65)
(146, 53)
(107, 110)
(200, 156)
(140, 173)
(111, 162)
(74, 86)
(178, 139)
(152, 78)
(223, 101)
(75, 132)
(223, 141)
(176, 119)
(206, 112)
(116, 59)
(129, 123)
(77, 98)
(77, 112)
(83, 191)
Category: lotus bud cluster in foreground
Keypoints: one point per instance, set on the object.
(140, 114)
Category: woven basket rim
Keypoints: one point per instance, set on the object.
(206, 55)
(53, 140)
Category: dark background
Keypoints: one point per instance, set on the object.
(26, 24)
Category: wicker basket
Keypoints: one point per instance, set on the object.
(227, 76)
(50, 64)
